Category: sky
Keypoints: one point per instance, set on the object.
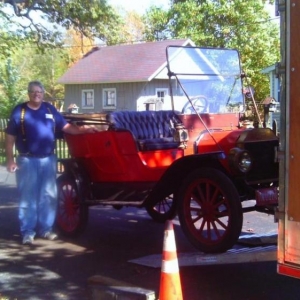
(140, 6)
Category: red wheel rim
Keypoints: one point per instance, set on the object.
(164, 206)
(68, 207)
(207, 211)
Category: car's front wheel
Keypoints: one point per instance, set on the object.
(210, 211)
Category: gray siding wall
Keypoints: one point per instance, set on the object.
(276, 116)
(127, 94)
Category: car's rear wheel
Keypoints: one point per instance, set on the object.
(72, 216)
(210, 210)
(163, 210)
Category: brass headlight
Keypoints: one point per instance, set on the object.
(240, 160)
(244, 161)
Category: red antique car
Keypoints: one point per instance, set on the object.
(198, 163)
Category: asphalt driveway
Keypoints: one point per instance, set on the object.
(63, 269)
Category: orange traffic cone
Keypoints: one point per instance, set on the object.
(170, 286)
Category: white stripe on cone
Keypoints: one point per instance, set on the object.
(170, 266)
(169, 241)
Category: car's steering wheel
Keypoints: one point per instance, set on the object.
(200, 104)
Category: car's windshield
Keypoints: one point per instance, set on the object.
(209, 78)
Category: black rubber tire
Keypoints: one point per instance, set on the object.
(164, 210)
(210, 211)
(72, 216)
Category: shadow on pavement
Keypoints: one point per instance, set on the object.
(61, 269)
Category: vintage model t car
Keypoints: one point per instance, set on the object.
(193, 160)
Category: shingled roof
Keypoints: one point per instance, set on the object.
(122, 63)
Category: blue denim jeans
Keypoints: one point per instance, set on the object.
(36, 182)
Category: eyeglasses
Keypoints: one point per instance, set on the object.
(36, 92)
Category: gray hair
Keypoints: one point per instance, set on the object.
(35, 83)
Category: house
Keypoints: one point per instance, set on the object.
(274, 92)
(274, 82)
(122, 77)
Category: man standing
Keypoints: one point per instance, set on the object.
(31, 129)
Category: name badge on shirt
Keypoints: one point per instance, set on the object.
(49, 116)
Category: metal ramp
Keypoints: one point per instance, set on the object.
(258, 239)
(263, 248)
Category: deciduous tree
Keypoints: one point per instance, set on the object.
(10, 94)
(45, 21)
(243, 25)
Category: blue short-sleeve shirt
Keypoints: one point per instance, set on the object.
(35, 135)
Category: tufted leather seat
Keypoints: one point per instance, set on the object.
(152, 130)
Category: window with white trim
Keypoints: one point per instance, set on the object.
(87, 99)
(109, 98)
(161, 94)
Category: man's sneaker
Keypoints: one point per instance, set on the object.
(27, 240)
(51, 236)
